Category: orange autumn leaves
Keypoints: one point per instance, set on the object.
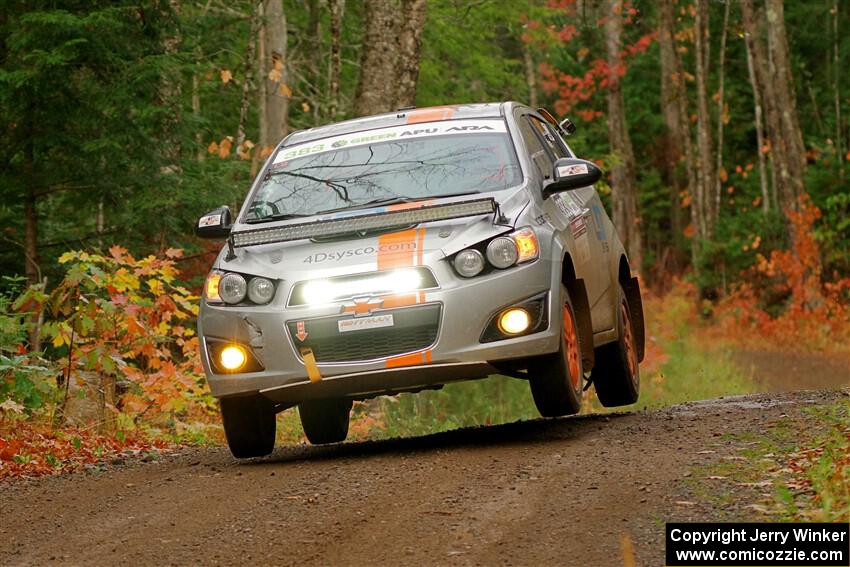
(128, 317)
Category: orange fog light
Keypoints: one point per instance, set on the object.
(514, 321)
(232, 357)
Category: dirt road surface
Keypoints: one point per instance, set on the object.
(545, 492)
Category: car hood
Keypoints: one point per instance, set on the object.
(420, 245)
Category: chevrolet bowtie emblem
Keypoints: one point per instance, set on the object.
(363, 305)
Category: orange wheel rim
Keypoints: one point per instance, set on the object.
(628, 338)
(571, 348)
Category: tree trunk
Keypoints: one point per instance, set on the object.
(836, 59)
(624, 194)
(250, 57)
(410, 44)
(530, 75)
(674, 107)
(276, 96)
(376, 90)
(775, 142)
(335, 67)
(786, 99)
(706, 183)
(765, 195)
(721, 70)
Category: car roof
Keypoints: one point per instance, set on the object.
(400, 118)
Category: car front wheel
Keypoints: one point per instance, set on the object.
(556, 379)
(325, 421)
(249, 425)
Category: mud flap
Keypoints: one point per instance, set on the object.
(578, 295)
(631, 287)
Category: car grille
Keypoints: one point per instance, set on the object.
(414, 328)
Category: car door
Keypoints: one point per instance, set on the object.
(582, 208)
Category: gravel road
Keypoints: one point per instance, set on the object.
(545, 492)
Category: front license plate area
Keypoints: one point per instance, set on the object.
(364, 323)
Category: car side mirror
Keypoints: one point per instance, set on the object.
(572, 173)
(215, 224)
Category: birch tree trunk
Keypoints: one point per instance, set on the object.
(376, 90)
(720, 114)
(277, 93)
(836, 59)
(786, 99)
(765, 195)
(530, 75)
(250, 57)
(335, 67)
(706, 184)
(674, 107)
(624, 193)
(410, 44)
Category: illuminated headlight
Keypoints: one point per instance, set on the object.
(260, 290)
(469, 262)
(232, 288)
(398, 281)
(502, 252)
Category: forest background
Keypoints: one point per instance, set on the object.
(723, 126)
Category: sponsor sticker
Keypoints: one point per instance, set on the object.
(209, 220)
(354, 139)
(363, 323)
(568, 207)
(575, 169)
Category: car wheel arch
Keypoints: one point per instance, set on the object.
(581, 305)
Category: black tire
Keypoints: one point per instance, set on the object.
(249, 425)
(616, 372)
(556, 379)
(325, 421)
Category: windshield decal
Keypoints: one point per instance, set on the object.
(354, 139)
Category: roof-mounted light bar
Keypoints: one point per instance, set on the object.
(367, 222)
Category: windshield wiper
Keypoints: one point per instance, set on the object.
(276, 217)
(394, 201)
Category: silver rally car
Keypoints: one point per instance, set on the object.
(400, 252)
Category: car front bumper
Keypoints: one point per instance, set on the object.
(461, 307)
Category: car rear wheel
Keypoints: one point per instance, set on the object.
(616, 374)
(249, 425)
(556, 379)
(325, 421)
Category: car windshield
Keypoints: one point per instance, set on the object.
(384, 165)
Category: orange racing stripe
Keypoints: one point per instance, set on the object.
(430, 114)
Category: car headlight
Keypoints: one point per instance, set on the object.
(232, 288)
(260, 290)
(469, 262)
(502, 252)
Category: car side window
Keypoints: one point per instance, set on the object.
(539, 154)
(550, 137)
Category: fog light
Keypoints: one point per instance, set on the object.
(514, 321)
(232, 357)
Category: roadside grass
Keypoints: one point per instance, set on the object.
(791, 471)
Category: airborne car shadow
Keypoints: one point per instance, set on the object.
(516, 433)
